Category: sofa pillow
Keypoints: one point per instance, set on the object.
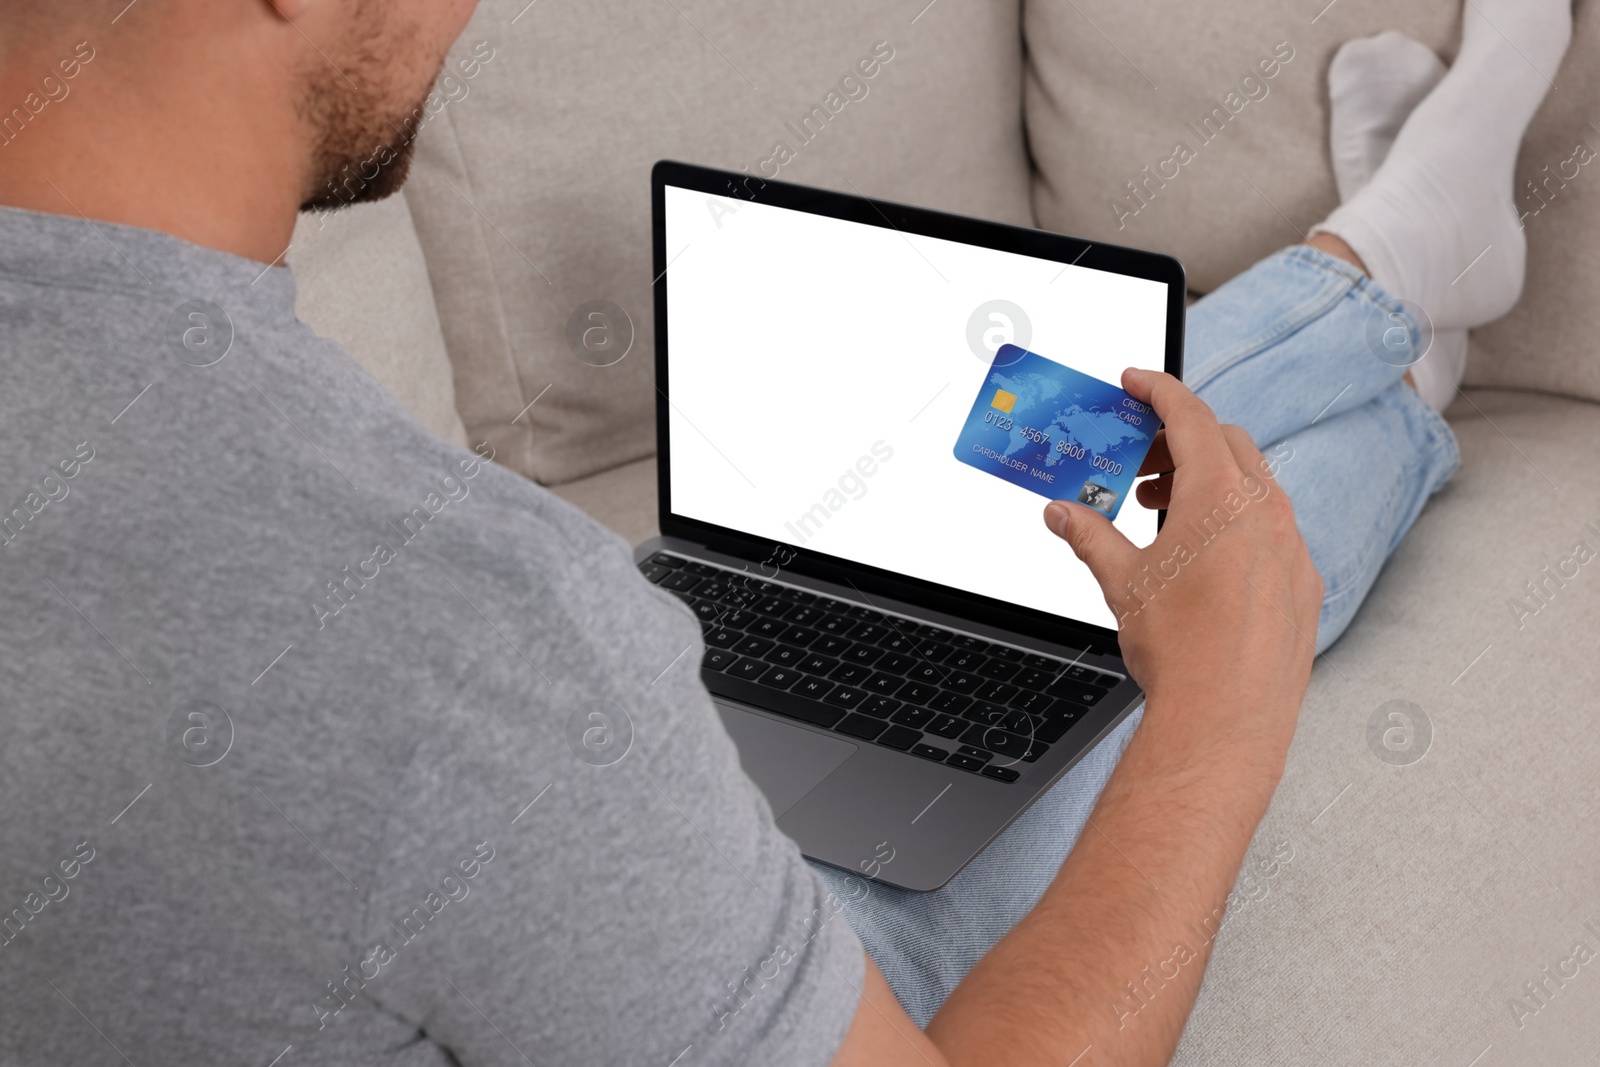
(531, 183)
(360, 279)
(1200, 130)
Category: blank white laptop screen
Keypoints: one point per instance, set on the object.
(821, 370)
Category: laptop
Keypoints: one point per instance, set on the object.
(905, 657)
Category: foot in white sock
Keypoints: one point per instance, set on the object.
(1373, 86)
(1436, 224)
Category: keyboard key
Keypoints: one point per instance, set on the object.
(884, 684)
(1000, 669)
(846, 696)
(706, 610)
(929, 752)
(966, 660)
(862, 726)
(717, 659)
(968, 641)
(962, 683)
(901, 737)
(772, 606)
(767, 627)
(896, 663)
(1028, 678)
(998, 692)
(722, 637)
(1032, 703)
(953, 703)
(781, 678)
(738, 618)
(737, 597)
(1004, 774)
(814, 688)
(785, 656)
(661, 559)
(653, 572)
(934, 651)
(815, 664)
(850, 673)
(1088, 674)
(894, 641)
(868, 632)
(917, 693)
(1006, 652)
(1035, 750)
(927, 674)
(965, 763)
(704, 570)
(933, 632)
(865, 614)
(752, 646)
(798, 636)
(838, 607)
(680, 582)
(830, 645)
(838, 625)
(749, 669)
(879, 707)
(1077, 692)
(863, 654)
(909, 716)
(996, 740)
(947, 726)
(1051, 730)
(804, 616)
(976, 753)
(712, 589)
(798, 596)
(1036, 662)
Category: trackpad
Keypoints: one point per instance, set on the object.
(785, 761)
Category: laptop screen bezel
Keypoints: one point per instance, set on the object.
(1021, 240)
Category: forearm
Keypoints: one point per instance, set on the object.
(1139, 896)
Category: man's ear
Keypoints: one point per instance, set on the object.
(289, 10)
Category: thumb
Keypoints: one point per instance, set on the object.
(1109, 555)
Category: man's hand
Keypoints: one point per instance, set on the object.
(1225, 601)
(1217, 621)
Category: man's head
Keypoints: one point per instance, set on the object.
(220, 106)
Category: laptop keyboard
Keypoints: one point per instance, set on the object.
(972, 704)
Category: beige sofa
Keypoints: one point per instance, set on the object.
(1431, 907)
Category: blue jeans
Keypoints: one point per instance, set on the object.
(1290, 351)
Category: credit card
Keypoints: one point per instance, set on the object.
(1057, 431)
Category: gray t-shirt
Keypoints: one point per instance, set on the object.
(328, 741)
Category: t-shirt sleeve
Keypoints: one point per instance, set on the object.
(576, 869)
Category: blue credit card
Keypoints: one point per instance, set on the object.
(1059, 432)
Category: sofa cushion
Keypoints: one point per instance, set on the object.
(1422, 895)
(531, 184)
(1114, 89)
(360, 279)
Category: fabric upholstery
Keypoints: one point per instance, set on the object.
(361, 280)
(531, 188)
(1113, 88)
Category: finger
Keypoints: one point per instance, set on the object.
(1109, 555)
(1159, 459)
(1193, 434)
(1156, 493)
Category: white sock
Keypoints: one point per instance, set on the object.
(1436, 225)
(1373, 86)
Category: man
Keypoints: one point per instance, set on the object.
(298, 698)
